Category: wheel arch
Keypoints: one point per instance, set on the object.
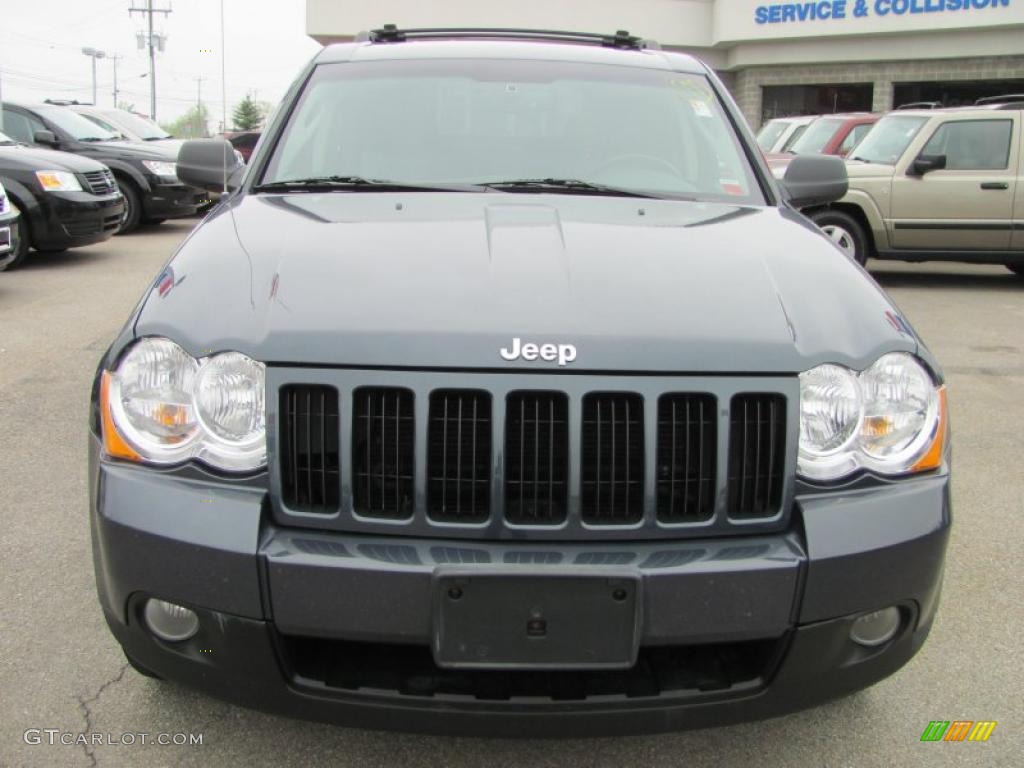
(125, 172)
(855, 212)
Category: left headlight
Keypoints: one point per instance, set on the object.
(58, 181)
(890, 419)
(162, 169)
(163, 406)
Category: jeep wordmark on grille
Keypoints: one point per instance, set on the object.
(506, 392)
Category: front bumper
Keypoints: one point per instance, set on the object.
(281, 609)
(73, 219)
(169, 201)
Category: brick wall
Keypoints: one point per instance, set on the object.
(747, 83)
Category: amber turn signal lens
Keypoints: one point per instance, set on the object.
(113, 444)
(933, 458)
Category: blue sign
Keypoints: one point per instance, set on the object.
(824, 10)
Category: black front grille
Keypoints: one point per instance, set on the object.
(382, 452)
(568, 459)
(459, 455)
(687, 449)
(536, 457)
(310, 459)
(100, 182)
(612, 460)
(757, 433)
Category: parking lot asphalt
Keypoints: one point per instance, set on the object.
(61, 669)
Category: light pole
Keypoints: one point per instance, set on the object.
(93, 54)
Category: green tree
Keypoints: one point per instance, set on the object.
(191, 125)
(247, 114)
(126, 106)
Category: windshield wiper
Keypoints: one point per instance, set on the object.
(156, 138)
(320, 183)
(564, 185)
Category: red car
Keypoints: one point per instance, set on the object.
(828, 135)
(243, 141)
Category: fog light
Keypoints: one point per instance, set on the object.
(876, 628)
(171, 622)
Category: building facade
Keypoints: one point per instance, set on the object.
(778, 58)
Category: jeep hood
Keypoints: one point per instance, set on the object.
(448, 279)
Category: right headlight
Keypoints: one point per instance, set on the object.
(890, 418)
(163, 406)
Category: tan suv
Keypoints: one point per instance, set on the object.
(941, 184)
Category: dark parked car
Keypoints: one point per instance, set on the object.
(144, 171)
(8, 229)
(65, 200)
(508, 393)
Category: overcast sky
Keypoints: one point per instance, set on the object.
(41, 42)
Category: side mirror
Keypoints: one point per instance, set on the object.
(209, 164)
(925, 163)
(814, 180)
(45, 137)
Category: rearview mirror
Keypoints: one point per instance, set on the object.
(45, 137)
(209, 164)
(925, 163)
(814, 180)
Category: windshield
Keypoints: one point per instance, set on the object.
(104, 124)
(817, 135)
(74, 124)
(770, 133)
(470, 121)
(140, 127)
(888, 138)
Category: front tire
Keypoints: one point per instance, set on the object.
(845, 231)
(132, 207)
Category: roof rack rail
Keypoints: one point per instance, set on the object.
(921, 105)
(390, 33)
(66, 102)
(1005, 99)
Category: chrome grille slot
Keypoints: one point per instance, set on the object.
(536, 457)
(687, 452)
(612, 462)
(383, 427)
(459, 455)
(309, 448)
(757, 430)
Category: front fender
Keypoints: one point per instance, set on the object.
(125, 170)
(857, 198)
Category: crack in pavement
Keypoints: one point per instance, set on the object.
(85, 705)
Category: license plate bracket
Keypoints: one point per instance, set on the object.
(509, 620)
